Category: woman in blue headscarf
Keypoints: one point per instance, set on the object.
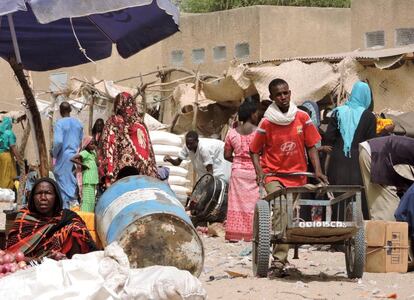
(350, 125)
(7, 151)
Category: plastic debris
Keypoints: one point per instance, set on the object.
(212, 278)
(301, 285)
(246, 251)
(235, 274)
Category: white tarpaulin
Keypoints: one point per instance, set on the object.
(306, 81)
(100, 275)
(391, 88)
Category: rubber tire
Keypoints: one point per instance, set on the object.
(355, 248)
(261, 239)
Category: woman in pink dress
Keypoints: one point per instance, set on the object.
(243, 189)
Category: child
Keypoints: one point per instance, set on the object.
(87, 159)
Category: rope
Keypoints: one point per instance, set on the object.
(81, 49)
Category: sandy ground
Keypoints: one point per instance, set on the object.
(323, 277)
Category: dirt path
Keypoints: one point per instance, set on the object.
(323, 277)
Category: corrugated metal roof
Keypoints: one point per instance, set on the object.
(366, 55)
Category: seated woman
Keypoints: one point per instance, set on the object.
(44, 229)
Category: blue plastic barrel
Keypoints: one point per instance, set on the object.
(144, 216)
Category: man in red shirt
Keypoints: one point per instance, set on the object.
(281, 139)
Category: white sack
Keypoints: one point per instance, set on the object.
(159, 159)
(178, 180)
(159, 282)
(179, 190)
(153, 124)
(165, 138)
(7, 195)
(166, 150)
(177, 171)
(182, 199)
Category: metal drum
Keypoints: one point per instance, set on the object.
(144, 216)
(208, 201)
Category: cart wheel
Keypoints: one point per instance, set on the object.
(355, 248)
(261, 239)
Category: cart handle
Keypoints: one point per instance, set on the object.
(281, 174)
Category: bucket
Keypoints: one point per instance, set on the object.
(144, 216)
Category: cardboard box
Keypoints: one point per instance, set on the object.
(387, 246)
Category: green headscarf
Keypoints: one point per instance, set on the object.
(7, 137)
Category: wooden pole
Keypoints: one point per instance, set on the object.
(23, 175)
(91, 105)
(195, 105)
(144, 101)
(34, 111)
(25, 139)
(51, 132)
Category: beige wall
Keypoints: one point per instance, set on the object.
(374, 15)
(225, 28)
(303, 31)
(271, 32)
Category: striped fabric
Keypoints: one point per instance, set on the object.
(90, 175)
(88, 197)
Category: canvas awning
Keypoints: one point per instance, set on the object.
(381, 58)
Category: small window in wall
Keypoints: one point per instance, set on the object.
(242, 50)
(404, 36)
(219, 53)
(198, 55)
(177, 57)
(375, 39)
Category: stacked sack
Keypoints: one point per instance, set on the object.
(7, 198)
(165, 143)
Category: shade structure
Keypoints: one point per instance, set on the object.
(73, 34)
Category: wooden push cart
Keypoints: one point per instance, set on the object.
(348, 232)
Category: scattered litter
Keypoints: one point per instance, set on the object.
(323, 248)
(212, 278)
(202, 229)
(392, 296)
(244, 261)
(339, 273)
(216, 230)
(376, 292)
(235, 274)
(303, 296)
(301, 285)
(312, 264)
(246, 251)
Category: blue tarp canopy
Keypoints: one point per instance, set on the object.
(69, 41)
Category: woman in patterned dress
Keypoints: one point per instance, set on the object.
(126, 147)
(243, 190)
